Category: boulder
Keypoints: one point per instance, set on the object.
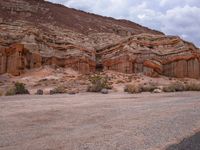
(157, 91)
(104, 91)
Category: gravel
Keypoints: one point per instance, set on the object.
(91, 121)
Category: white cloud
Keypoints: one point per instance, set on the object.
(183, 21)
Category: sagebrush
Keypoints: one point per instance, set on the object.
(98, 83)
(58, 90)
(133, 88)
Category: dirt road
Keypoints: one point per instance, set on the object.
(115, 121)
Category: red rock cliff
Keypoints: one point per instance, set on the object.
(35, 33)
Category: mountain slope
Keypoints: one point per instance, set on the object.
(39, 11)
(34, 33)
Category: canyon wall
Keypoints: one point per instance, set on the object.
(153, 55)
(34, 33)
(17, 59)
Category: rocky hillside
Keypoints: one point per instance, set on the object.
(34, 33)
(152, 55)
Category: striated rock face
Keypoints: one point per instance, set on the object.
(153, 55)
(16, 59)
(34, 33)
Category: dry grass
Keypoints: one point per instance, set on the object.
(149, 87)
(192, 86)
(1, 93)
(138, 88)
(133, 88)
(58, 90)
(180, 86)
(10, 92)
(175, 87)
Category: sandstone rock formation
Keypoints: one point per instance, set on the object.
(151, 55)
(34, 33)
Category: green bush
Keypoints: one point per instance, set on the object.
(58, 90)
(133, 88)
(18, 88)
(98, 83)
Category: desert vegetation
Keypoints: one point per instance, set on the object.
(192, 86)
(180, 86)
(1, 93)
(39, 92)
(17, 89)
(58, 90)
(177, 86)
(133, 88)
(138, 88)
(98, 83)
(150, 87)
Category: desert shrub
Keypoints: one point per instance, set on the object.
(1, 93)
(133, 88)
(98, 83)
(138, 88)
(175, 87)
(58, 90)
(179, 86)
(149, 87)
(192, 86)
(18, 88)
(10, 91)
(39, 92)
(169, 88)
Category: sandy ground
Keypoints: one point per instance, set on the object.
(117, 121)
(47, 78)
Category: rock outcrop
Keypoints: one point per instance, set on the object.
(153, 55)
(34, 33)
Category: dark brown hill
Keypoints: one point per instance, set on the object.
(39, 11)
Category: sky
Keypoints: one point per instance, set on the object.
(173, 17)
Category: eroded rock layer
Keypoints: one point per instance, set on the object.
(153, 55)
(34, 33)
